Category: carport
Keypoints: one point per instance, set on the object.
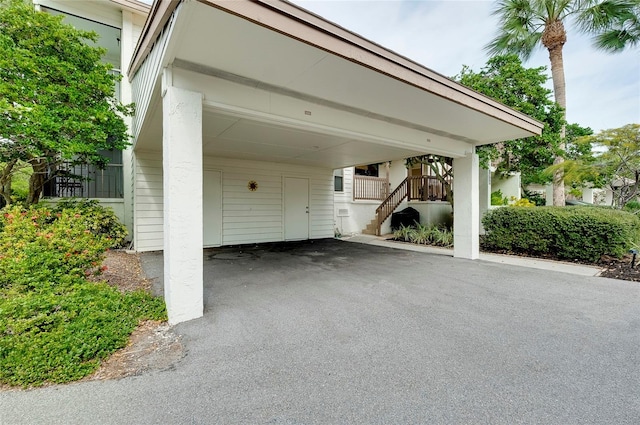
(224, 87)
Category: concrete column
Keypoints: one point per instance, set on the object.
(484, 194)
(466, 201)
(587, 195)
(127, 44)
(182, 185)
(549, 195)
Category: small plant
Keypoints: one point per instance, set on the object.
(421, 234)
(403, 233)
(523, 202)
(443, 237)
(498, 199)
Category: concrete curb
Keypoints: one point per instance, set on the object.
(534, 263)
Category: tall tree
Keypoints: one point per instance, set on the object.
(528, 24)
(57, 98)
(506, 80)
(611, 159)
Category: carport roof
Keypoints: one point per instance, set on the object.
(280, 48)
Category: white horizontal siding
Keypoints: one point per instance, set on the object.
(148, 204)
(247, 217)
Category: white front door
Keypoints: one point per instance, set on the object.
(296, 208)
(212, 208)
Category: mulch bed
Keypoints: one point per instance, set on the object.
(620, 269)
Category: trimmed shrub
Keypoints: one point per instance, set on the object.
(39, 249)
(99, 220)
(576, 233)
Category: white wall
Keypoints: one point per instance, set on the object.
(509, 186)
(247, 217)
(433, 212)
(148, 205)
(397, 173)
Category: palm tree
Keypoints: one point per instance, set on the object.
(528, 24)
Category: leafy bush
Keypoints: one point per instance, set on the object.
(537, 198)
(632, 207)
(581, 233)
(39, 249)
(98, 219)
(523, 202)
(55, 326)
(498, 199)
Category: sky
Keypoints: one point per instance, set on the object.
(603, 90)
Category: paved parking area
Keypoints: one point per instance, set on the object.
(332, 332)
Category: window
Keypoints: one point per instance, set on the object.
(371, 170)
(86, 180)
(338, 180)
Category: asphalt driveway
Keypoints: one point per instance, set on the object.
(332, 332)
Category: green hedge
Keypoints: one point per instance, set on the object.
(580, 233)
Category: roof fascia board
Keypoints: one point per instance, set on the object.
(133, 6)
(161, 11)
(298, 23)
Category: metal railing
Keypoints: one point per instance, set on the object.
(86, 181)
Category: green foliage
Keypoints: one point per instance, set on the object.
(55, 326)
(39, 250)
(101, 221)
(524, 24)
(632, 207)
(537, 198)
(424, 235)
(607, 159)
(523, 202)
(403, 233)
(55, 336)
(504, 79)
(57, 98)
(576, 233)
(498, 199)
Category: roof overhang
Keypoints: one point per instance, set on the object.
(283, 84)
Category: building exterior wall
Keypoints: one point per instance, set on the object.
(509, 186)
(247, 217)
(130, 23)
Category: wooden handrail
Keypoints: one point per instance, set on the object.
(388, 206)
(370, 188)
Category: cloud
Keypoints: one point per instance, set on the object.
(603, 90)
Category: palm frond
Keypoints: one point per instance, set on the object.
(520, 28)
(608, 14)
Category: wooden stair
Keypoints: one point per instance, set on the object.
(371, 228)
(388, 206)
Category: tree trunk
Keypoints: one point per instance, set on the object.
(5, 181)
(553, 38)
(36, 181)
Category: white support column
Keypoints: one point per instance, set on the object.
(484, 194)
(466, 202)
(127, 45)
(587, 195)
(182, 184)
